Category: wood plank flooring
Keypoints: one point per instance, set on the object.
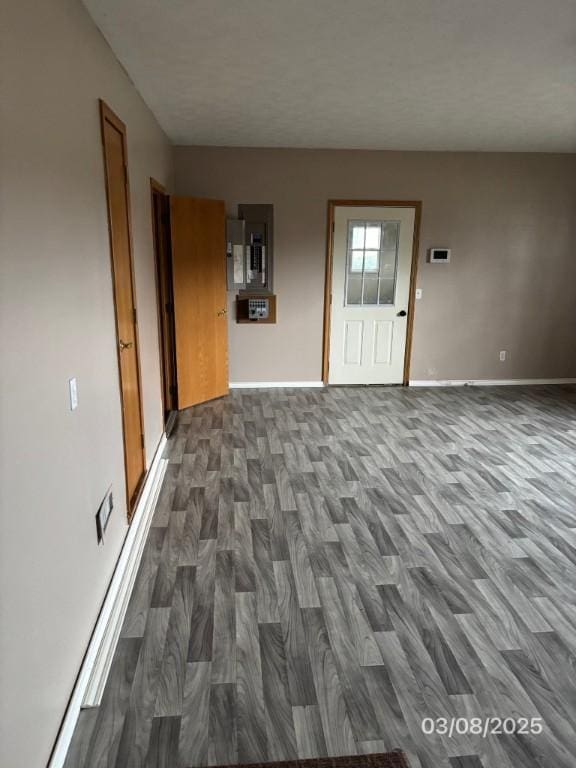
(326, 568)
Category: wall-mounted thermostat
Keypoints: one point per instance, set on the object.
(439, 255)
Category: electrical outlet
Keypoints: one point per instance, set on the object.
(502, 355)
(73, 391)
(103, 515)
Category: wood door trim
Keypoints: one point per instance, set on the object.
(332, 205)
(157, 186)
(107, 115)
(158, 189)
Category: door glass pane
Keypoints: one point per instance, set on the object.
(357, 238)
(373, 236)
(356, 261)
(371, 261)
(390, 235)
(388, 264)
(372, 258)
(354, 290)
(386, 294)
(370, 290)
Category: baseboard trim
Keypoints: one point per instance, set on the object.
(273, 384)
(488, 382)
(98, 658)
(412, 383)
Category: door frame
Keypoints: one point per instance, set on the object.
(107, 114)
(170, 407)
(332, 205)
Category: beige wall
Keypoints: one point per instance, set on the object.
(57, 321)
(509, 219)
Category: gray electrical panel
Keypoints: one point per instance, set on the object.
(250, 249)
(235, 255)
(258, 221)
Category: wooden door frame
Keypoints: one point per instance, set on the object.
(158, 189)
(106, 114)
(332, 205)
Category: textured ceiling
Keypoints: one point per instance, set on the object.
(369, 74)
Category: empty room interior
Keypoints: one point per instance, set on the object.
(288, 383)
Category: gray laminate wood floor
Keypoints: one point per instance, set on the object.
(327, 568)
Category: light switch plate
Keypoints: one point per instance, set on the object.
(73, 389)
(418, 293)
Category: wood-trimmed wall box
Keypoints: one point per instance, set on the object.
(249, 262)
(256, 308)
(258, 246)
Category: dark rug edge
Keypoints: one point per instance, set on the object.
(395, 759)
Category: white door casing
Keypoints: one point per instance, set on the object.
(371, 266)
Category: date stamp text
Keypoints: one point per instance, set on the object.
(481, 726)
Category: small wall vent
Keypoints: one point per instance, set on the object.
(103, 515)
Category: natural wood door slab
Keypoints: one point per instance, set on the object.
(200, 302)
(118, 197)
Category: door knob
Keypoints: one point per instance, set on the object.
(222, 312)
(402, 313)
(125, 344)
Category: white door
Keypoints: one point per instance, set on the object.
(371, 264)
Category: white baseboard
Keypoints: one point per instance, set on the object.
(270, 384)
(412, 383)
(488, 382)
(96, 664)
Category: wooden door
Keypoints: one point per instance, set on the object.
(118, 196)
(372, 260)
(199, 274)
(165, 300)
